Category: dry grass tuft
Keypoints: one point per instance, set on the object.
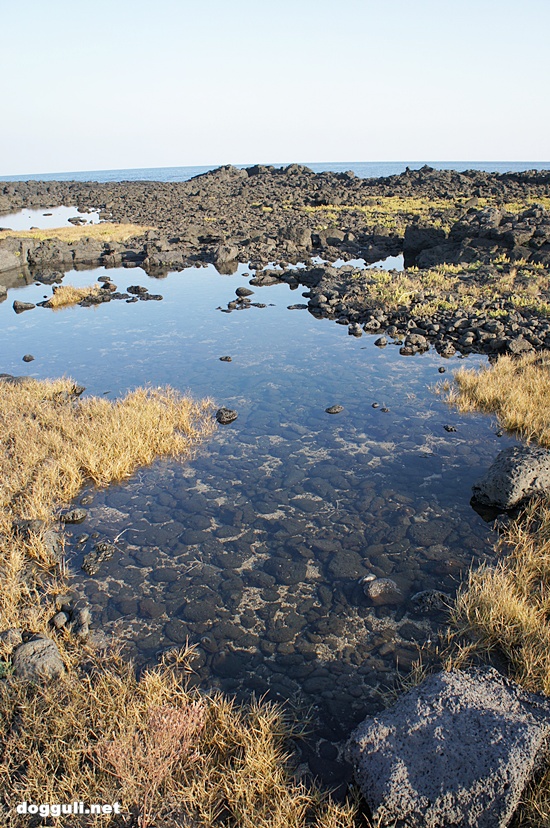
(507, 606)
(450, 287)
(66, 295)
(104, 231)
(171, 756)
(516, 390)
(51, 443)
(503, 611)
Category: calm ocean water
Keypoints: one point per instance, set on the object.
(363, 169)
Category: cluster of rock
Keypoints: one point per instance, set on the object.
(490, 327)
(480, 235)
(231, 215)
(260, 213)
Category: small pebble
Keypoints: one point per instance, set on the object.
(376, 405)
(28, 358)
(334, 409)
(441, 369)
(449, 428)
(384, 410)
(225, 359)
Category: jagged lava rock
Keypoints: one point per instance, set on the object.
(518, 473)
(456, 751)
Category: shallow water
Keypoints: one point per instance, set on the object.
(253, 550)
(45, 218)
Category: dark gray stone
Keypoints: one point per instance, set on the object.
(518, 473)
(74, 516)
(102, 552)
(383, 592)
(430, 600)
(457, 750)
(38, 660)
(226, 415)
(19, 307)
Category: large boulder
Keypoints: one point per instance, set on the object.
(518, 473)
(38, 660)
(458, 750)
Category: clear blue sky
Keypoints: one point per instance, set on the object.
(125, 83)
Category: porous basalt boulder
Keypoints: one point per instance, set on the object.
(518, 474)
(38, 660)
(458, 750)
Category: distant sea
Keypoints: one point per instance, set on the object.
(363, 169)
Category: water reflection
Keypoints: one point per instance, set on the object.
(46, 218)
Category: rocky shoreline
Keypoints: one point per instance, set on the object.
(469, 225)
(478, 282)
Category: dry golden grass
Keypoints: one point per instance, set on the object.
(171, 756)
(66, 295)
(104, 231)
(507, 605)
(389, 212)
(445, 287)
(516, 390)
(503, 610)
(51, 443)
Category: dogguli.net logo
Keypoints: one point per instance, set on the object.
(55, 809)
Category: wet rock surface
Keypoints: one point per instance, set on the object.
(459, 749)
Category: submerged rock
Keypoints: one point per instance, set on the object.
(102, 552)
(74, 516)
(383, 592)
(457, 750)
(430, 600)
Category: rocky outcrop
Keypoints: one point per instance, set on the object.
(457, 750)
(263, 211)
(480, 235)
(518, 474)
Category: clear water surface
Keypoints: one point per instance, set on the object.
(254, 550)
